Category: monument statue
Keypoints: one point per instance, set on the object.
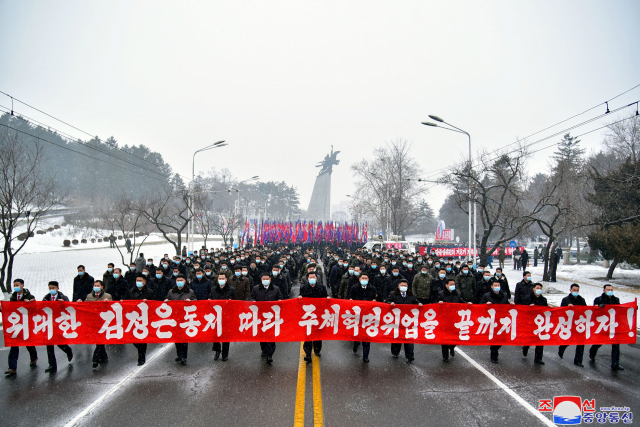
(320, 203)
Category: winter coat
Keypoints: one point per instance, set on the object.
(606, 300)
(492, 297)
(537, 300)
(161, 287)
(177, 294)
(82, 285)
(381, 283)
(102, 296)
(144, 292)
(446, 295)
(201, 288)
(119, 289)
(345, 285)
(466, 285)
(397, 298)
(357, 292)
(317, 291)
(225, 293)
(59, 297)
(523, 289)
(26, 296)
(242, 286)
(421, 285)
(570, 299)
(260, 293)
(281, 282)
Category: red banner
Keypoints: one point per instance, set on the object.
(461, 251)
(48, 323)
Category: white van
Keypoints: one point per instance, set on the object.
(390, 244)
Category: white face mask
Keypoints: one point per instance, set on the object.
(403, 289)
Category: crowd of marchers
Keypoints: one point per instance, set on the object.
(268, 274)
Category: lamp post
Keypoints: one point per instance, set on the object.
(237, 206)
(458, 130)
(190, 228)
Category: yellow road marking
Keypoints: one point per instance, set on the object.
(298, 419)
(318, 412)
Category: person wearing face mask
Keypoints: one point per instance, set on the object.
(181, 292)
(161, 285)
(600, 303)
(53, 295)
(496, 296)
(140, 292)
(20, 293)
(151, 267)
(335, 276)
(347, 281)
(479, 272)
(570, 300)
(483, 286)
(362, 292)
(504, 282)
(466, 283)
(523, 289)
(266, 291)
(409, 272)
(222, 291)
(435, 270)
(166, 269)
(402, 295)
(450, 295)
(119, 287)
(421, 285)
(382, 282)
(241, 283)
(107, 277)
(451, 274)
(224, 269)
(312, 289)
(200, 285)
(130, 276)
(278, 280)
(438, 284)
(82, 284)
(98, 294)
(535, 298)
(189, 267)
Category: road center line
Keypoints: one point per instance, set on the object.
(116, 387)
(504, 387)
(298, 419)
(318, 411)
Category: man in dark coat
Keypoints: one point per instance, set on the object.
(523, 289)
(241, 283)
(279, 280)
(222, 291)
(362, 292)
(161, 285)
(107, 277)
(20, 293)
(54, 294)
(402, 295)
(496, 296)
(201, 285)
(82, 284)
(450, 294)
(312, 289)
(570, 300)
(266, 291)
(181, 292)
(536, 298)
(607, 298)
(335, 275)
(524, 259)
(119, 287)
(140, 292)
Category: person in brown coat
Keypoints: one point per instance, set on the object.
(242, 284)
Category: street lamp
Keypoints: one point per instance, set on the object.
(475, 222)
(237, 190)
(190, 229)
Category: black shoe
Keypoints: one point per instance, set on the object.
(269, 360)
(95, 365)
(70, 357)
(395, 355)
(410, 359)
(539, 362)
(140, 362)
(592, 358)
(263, 354)
(494, 361)
(217, 356)
(10, 372)
(307, 359)
(33, 362)
(525, 351)
(445, 360)
(365, 360)
(453, 353)
(183, 361)
(355, 347)
(225, 358)
(178, 359)
(617, 368)
(51, 369)
(317, 354)
(578, 364)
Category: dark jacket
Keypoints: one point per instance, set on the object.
(421, 286)
(357, 292)
(139, 294)
(26, 295)
(437, 285)
(492, 297)
(59, 297)
(226, 292)
(504, 283)
(161, 287)
(281, 282)
(130, 276)
(107, 278)
(396, 297)
(201, 287)
(482, 287)
(260, 293)
(466, 284)
(523, 290)
(606, 300)
(570, 299)
(381, 283)
(82, 286)
(335, 274)
(317, 291)
(119, 289)
(242, 286)
(176, 294)
(537, 300)
(446, 295)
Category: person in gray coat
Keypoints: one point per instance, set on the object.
(181, 292)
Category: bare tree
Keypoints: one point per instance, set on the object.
(27, 194)
(623, 139)
(170, 212)
(383, 189)
(497, 187)
(225, 224)
(126, 216)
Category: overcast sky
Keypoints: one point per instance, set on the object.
(283, 81)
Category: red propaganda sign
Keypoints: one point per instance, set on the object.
(308, 319)
(394, 245)
(460, 251)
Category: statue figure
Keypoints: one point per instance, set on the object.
(326, 165)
